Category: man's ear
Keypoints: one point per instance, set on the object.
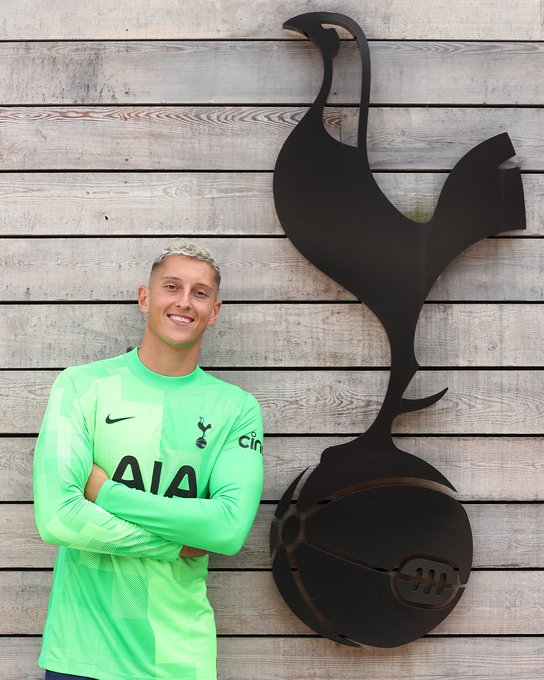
(143, 298)
(215, 312)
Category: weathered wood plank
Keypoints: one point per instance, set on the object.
(340, 401)
(18, 657)
(436, 658)
(151, 137)
(494, 603)
(324, 335)
(192, 19)
(421, 134)
(48, 204)
(16, 456)
(248, 603)
(494, 468)
(505, 536)
(143, 203)
(225, 72)
(481, 469)
(249, 137)
(253, 269)
(286, 658)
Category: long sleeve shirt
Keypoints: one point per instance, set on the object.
(184, 459)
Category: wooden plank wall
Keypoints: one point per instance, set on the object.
(126, 124)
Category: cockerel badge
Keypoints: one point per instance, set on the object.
(376, 550)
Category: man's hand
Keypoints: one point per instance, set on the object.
(97, 477)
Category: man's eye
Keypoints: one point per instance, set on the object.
(201, 293)
(170, 286)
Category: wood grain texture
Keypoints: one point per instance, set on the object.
(281, 335)
(249, 137)
(318, 659)
(340, 401)
(16, 457)
(481, 469)
(505, 536)
(214, 113)
(494, 603)
(286, 658)
(153, 19)
(171, 204)
(231, 72)
(253, 269)
(490, 468)
(213, 204)
(248, 603)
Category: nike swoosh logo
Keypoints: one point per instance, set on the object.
(117, 420)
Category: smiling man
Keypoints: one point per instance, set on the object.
(143, 465)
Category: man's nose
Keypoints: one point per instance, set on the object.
(184, 299)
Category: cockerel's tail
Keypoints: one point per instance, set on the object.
(479, 199)
(513, 205)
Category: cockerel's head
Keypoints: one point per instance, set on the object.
(311, 26)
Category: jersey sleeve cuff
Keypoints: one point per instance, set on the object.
(102, 494)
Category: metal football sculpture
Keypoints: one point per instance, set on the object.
(386, 558)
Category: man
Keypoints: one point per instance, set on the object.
(144, 463)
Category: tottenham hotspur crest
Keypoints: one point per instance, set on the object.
(201, 441)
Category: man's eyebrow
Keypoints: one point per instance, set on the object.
(177, 278)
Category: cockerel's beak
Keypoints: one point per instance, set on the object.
(296, 24)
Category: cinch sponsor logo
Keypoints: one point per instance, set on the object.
(251, 442)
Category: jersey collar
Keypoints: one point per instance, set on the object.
(165, 382)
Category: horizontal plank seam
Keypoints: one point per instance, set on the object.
(273, 502)
(270, 104)
(132, 235)
(278, 39)
(144, 170)
(200, 235)
(242, 570)
(400, 435)
(235, 636)
(277, 301)
(429, 636)
(322, 369)
(443, 435)
(287, 636)
(163, 171)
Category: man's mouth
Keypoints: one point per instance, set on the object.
(180, 319)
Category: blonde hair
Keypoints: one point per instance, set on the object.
(188, 249)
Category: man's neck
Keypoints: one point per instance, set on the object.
(166, 360)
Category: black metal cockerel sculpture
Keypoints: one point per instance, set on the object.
(386, 559)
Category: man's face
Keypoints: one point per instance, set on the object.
(180, 301)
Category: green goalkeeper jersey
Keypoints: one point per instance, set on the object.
(184, 459)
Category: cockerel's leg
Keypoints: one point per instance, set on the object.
(403, 368)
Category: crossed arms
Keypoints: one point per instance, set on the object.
(126, 521)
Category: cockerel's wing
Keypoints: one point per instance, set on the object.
(478, 199)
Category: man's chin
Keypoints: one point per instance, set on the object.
(182, 345)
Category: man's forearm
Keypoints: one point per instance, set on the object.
(217, 524)
(62, 461)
